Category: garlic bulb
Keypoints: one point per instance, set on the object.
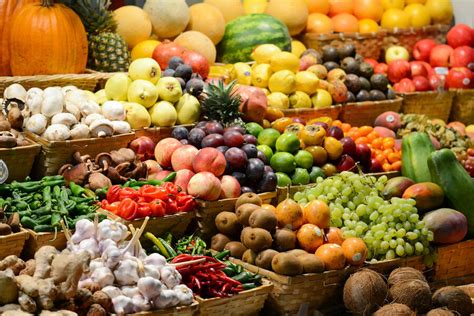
(170, 276)
(121, 127)
(52, 101)
(64, 118)
(149, 287)
(57, 132)
(80, 131)
(126, 273)
(167, 298)
(36, 124)
(34, 99)
(114, 111)
(130, 291)
(112, 291)
(122, 305)
(184, 293)
(15, 91)
(84, 229)
(103, 276)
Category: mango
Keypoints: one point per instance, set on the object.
(396, 186)
(428, 195)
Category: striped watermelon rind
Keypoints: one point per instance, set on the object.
(245, 33)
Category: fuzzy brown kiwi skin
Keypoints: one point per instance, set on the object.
(227, 223)
(243, 232)
(236, 248)
(219, 241)
(262, 218)
(286, 264)
(257, 239)
(311, 263)
(249, 256)
(264, 259)
(284, 239)
(297, 252)
(244, 212)
(250, 198)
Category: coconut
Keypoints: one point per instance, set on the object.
(395, 309)
(454, 299)
(415, 294)
(404, 274)
(441, 312)
(364, 292)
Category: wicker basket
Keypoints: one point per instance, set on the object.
(454, 261)
(431, 103)
(13, 244)
(289, 294)
(386, 266)
(309, 114)
(246, 303)
(19, 160)
(158, 133)
(365, 113)
(408, 37)
(207, 211)
(463, 107)
(38, 240)
(368, 45)
(174, 311)
(54, 155)
(91, 80)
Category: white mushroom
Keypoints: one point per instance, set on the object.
(89, 107)
(36, 124)
(57, 132)
(34, 99)
(121, 127)
(92, 117)
(114, 111)
(101, 128)
(73, 100)
(64, 118)
(53, 100)
(15, 91)
(80, 131)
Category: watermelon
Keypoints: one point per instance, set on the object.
(245, 33)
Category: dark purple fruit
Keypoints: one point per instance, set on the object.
(183, 71)
(330, 54)
(366, 70)
(268, 169)
(240, 176)
(196, 136)
(330, 65)
(251, 150)
(350, 65)
(245, 189)
(214, 128)
(212, 140)
(174, 62)
(262, 157)
(180, 132)
(168, 73)
(363, 96)
(268, 183)
(359, 58)
(391, 94)
(222, 149)
(236, 157)
(202, 124)
(379, 82)
(348, 50)
(194, 87)
(365, 84)
(233, 138)
(184, 141)
(353, 83)
(182, 83)
(250, 139)
(336, 132)
(195, 75)
(377, 95)
(351, 97)
(255, 169)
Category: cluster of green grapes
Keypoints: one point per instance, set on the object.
(389, 228)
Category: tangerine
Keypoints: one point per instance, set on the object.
(340, 6)
(318, 6)
(319, 23)
(345, 23)
(368, 9)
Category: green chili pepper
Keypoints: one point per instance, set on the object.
(55, 219)
(169, 249)
(76, 189)
(43, 228)
(52, 178)
(28, 222)
(47, 197)
(43, 220)
(157, 243)
(35, 205)
(222, 255)
(249, 286)
(242, 277)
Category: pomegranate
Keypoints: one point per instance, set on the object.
(164, 51)
(198, 62)
(144, 147)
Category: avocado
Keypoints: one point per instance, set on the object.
(377, 95)
(330, 54)
(366, 70)
(350, 65)
(379, 82)
(353, 83)
(347, 50)
(363, 96)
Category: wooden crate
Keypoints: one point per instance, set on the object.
(54, 155)
(13, 244)
(19, 160)
(432, 103)
(246, 303)
(454, 261)
(207, 211)
(309, 114)
(174, 311)
(312, 290)
(365, 113)
(463, 107)
(38, 240)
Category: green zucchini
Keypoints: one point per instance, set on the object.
(416, 148)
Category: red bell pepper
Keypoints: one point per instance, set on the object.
(170, 187)
(127, 209)
(157, 208)
(113, 194)
(128, 193)
(151, 192)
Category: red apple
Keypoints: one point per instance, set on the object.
(418, 69)
(364, 153)
(459, 78)
(436, 82)
(460, 35)
(421, 83)
(429, 69)
(439, 56)
(346, 163)
(375, 166)
(404, 86)
(381, 68)
(398, 70)
(372, 62)
(422, 49)
(462, 56)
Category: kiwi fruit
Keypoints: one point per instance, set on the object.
(251, 198)
(228, 224)
(297, 252)
(284, 239)
(219, 241)
(236, 248)
(249, 256)
(263, 218)
(311, 263)
(264, 258)
(243, 232)
(257, 239)
(286, 264)
(244, 211)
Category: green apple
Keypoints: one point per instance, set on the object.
(301, 176)
(396, 53)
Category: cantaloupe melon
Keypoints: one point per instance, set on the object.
(294, 13)
(231, 9)
(207, 19)
(133, 24)
(168, 17)
(199, 43)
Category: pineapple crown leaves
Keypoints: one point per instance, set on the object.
(94, 15)
(221, 103)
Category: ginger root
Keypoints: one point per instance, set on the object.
(8, 287)
(28, 285)
(44, 257)
(67, 269)
(27, 303)
(102, 299)
(96, 310)
(12, 262)
(30, 267)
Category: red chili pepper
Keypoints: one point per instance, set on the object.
(171, 206)
(128, 193)
(157, 208)
(128, 209)
(144, 210)
(113, 194)
(151, 192)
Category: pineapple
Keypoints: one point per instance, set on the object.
(222, 103)
(108, 51)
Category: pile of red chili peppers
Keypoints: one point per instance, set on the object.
(149, 200)
(207, 279)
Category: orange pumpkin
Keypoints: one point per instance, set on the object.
(47, 39)
(355, 251)
(8, 8)
(332, 255)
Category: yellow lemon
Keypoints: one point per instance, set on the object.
(415, 1)
(297, 48)
(285, 61)
(299, 99)
(307, 82)
(260, 75)
(419, 15)
(441, 11)
(254, 6)
(283, 81)
(262, 54)
(395, 18)
(265, 90)
(321, 99)
(243, 73)
(144, 49)
(368, 26)
(278, 100)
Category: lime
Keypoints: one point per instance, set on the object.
(301, 176)
(288, 142)
(268, 137)
(304, 159)
(253, 128)
(283, 162)
(283, 179)
(315, 173)
(266, 150)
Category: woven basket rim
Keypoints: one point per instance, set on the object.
(421, 93)
(332, 107)
(175, 310)
(89, 74)
(43, 141)
(396, 100)
(22, 231)
(266, 287)
(32, 145)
